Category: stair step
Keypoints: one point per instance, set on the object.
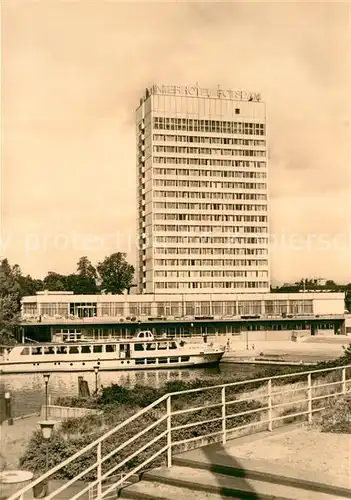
(149, 490)
(268, 473)
(170, 484)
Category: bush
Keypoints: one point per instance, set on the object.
(336, 417)
(119, 404)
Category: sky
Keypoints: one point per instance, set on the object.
(72, 75)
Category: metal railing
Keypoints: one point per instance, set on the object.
(171, 424)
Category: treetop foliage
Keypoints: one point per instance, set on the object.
(113, 274)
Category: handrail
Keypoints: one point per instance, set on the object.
(269, 411)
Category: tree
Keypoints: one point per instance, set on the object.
(55, 282)
(87, 276)
(116, 275)
(10, 296)
(29, 286)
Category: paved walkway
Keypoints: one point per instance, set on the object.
(297, 452)
(14, 438)
(287, 349)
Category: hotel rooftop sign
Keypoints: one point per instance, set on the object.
(195, 91)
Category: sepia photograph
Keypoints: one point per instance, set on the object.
(175, 249)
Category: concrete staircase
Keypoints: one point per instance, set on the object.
(247, 479)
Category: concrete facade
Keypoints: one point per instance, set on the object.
(65, 305)
(202, 191)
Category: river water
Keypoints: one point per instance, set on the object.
(28, 390)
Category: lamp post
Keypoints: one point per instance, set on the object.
(96, 371)
(46, 427)
(46, 380)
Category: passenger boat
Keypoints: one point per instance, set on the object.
(142, 352)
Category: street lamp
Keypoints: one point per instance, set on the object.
(46, 377)
(46, 427)
(96, 371)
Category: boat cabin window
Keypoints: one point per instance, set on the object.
(138, 347)
(163, 345)
(74, 350)
(61, 349)
(172, 345)
(25, 351)
(36, 350)
(49, 350)
(110, 348)
(151, 347)
(85, 349)
(141, 335)
(97, 348)
(124, 347)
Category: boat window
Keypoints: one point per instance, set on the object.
(61, 349)
(86, 349)
(124, 347)
(140, 361)
(97, 348)
(74, 350)
(141, 335)
(173, 360)
(151, 361)
(110, 348)
(172, 345)
(25, 351)
(49, 350)
(185, 358)
(36, 350)
(163, 360)
(150, 347)
(163, 345)
(138, 347)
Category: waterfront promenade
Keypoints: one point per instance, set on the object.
(15, 438)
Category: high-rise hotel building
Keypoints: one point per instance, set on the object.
(202, 191)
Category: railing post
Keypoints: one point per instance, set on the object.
(224, 426)
(169, 432)
(343, 380)
(99, 472)
(309, 395)
(269, 393)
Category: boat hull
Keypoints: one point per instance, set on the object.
(194, 360)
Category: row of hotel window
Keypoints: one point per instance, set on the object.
(207, 151)
(167, 285)
(224, 207)
(209, 195)
(213, 126)
(208, 184)
(210, 173)
(211, 274)
(209, 229)
(223, 240)
(178, 308)
(212, 217)
(178, 160)
(216, 251)
(192, 262)
(211, 251)
(205, 140)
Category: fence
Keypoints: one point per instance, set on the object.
(192, 418)
(63, 412)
